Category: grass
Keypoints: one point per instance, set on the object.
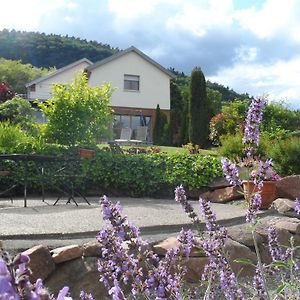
(167, 149)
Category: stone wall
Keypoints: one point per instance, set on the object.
(76, 265)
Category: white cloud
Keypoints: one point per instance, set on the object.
(246, 54)
(279, 80)
(272, 18)
(27, 15)
(198, 18)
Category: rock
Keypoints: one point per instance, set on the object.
(41, 262)
(283, 205)
(195, 267)
(219, 183)
(284, 226)
(288, 187)
(162, 247)
(234, 251)
(91, 248)
(66, 253)
(78, 274)
(243, 235)
(222, 195)
(290, 224)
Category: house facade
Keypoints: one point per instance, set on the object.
(140, 85)
(41, 88)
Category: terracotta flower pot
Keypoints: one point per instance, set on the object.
(268, 192)
(86, 153)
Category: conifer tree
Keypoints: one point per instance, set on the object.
(199, 109)
(157, 130)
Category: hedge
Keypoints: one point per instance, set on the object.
(128, 175)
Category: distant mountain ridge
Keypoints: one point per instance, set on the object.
(50, 50)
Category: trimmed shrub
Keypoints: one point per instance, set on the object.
(286, 156)
(130, 175)
(232, 146)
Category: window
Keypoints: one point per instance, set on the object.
(131, 82)
(32, 88)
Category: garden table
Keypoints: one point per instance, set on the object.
(24, 160)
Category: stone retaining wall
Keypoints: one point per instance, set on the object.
(76, 265)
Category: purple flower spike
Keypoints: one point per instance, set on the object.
(116, 291)
(231, 172)
(187, 240)
(297, 206)
(181, 198)
(85, 296)
(254, 206)
(254, 118)
(259, 285)
(274, 247)
(6, 289)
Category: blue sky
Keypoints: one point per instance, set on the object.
(249, 45)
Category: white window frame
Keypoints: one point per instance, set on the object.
(131, 82)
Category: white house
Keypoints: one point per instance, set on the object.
(41, 87)
(140, 82)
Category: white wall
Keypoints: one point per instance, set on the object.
(43, 88)
(154, 84)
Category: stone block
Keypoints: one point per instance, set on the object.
(41, 262)
(288, 187)
(66, 253)
(283, 205)
(91, 248)
(222, 195)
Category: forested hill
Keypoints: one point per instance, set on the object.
(50, 50)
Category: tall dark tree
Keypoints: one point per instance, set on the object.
(199, 109)
(157, 130)
(161, 130)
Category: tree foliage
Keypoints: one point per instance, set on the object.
(18, 74)
(199, 109)
(17, 111)
(77, 113)
(278, 120)
(49, 50)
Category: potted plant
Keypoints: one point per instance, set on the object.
(262, 180)
(259, 189)
(86, 153)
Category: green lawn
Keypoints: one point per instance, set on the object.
(167, 149)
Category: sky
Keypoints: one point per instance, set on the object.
(250, 46)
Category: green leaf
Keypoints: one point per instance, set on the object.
(281, 288)
(244, 261)
(278, 263)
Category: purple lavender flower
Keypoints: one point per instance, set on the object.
(264, 172)
(180, 197)
(209, 216)
(118, 263)
(188, 241)
(116, 291)
(253, 120)
(254, 206)
(231, 172)
(6, 289)
(259, 286)
(297, 206)
(214, 248)
(15, 284)
(85, 296)
(274, 247)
